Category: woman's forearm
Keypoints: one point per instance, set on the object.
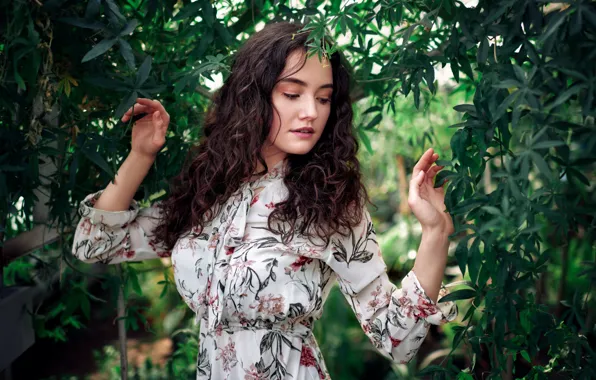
(119, 194)
(431, 260)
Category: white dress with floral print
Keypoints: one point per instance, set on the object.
(256, 299)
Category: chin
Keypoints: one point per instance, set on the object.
(299, 150)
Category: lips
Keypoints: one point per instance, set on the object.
(304, 130)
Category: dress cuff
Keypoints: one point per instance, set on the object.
(109, 218)
(418, 304)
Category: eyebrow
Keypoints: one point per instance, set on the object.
(304, 84)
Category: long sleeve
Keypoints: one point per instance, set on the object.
(112, 237)
(395, 319)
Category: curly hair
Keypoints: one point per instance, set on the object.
(325, 192)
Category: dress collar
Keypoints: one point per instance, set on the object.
(277, 172)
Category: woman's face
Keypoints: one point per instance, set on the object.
(302, 102)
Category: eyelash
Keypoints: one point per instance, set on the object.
(294, 96)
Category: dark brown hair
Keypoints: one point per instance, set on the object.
(326, 195)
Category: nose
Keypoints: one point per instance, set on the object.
(309, 108)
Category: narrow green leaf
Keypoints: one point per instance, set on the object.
(461, 255)
(92, 10)
(99, 49)
(492, 210)
(507, 83)
(547, 144)
(373, 123)
(373, 109)
(469, 108)
(526, 356)
(134, 281)
(125, 104)
(562, 98)
(114, 10)
(542, 165)
(98, 160)
(559, 18)
(571, 172)
(126, 51)
(504, 105)
(129, 27)
(461, 294)
(365, 140)
(143, 72)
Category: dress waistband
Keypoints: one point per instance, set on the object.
(296, 330)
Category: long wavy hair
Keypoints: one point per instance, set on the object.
(326, 194)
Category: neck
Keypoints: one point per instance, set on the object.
(272, 157)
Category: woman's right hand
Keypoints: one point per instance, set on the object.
(149, 132)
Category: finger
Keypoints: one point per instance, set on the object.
(158, 124)
(157, 106)
(135, 110)
(415, 183)
(432, 172)
(424, 163)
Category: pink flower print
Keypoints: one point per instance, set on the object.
(254, 200)
(425, 308)
(387, 298)
(164, 254)
(365, 328)
(253, 373)
(394, 342)
(307, 359)
(269, 304)
(212, 300)
(242, 264)
(219, 329)
(227, 355)
(313, 252)
(375, 302)
(372, 304)
(86, 226)
(230, 250)
(406, 304)
(270, 205)
(376, 292)
(300, 262)
(191, 244)
(213, 241)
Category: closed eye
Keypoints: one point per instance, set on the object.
(295, 96)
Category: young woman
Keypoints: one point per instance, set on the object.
(268, 213)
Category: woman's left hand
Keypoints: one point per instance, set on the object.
(427, 202)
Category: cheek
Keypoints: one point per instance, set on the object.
(324, 113)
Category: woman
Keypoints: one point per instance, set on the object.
(267, 214)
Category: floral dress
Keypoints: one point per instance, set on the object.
(256, 298)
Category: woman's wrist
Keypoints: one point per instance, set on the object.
(431, 260)
(141, 159)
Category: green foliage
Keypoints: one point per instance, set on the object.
(521, 171)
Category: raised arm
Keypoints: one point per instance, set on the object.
(395, 319)
(112, 227)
